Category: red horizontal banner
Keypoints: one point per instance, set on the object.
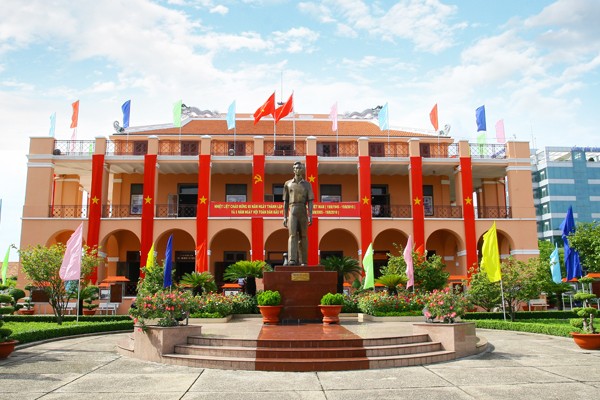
(241, 210)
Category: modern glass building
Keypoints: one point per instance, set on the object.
(563, 177)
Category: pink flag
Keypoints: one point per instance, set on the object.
(333, 116)
(500, 131)
(409, 262)
(70, 268)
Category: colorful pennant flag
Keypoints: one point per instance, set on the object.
(177, 114)
(384, 122)
(5, 265)
(75, 116)
(231, 116)
(70, 269)
(410, 273)
(52, 124)
(150, 258)
(168, 276)
(126, 108)
(572, 263)
(433, 117)
(500, 138)
(266, 109)
(285, 109)
(490, 261)
(368, 267)
(555, 266)
(480, 118)
(333, 116)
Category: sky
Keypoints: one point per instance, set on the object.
(534, 64)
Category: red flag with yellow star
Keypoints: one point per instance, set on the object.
(266, 109)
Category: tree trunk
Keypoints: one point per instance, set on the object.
(340, 282)
(250, 287)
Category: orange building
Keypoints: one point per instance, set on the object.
(219, 193)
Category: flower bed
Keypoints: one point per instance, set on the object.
(382, 304)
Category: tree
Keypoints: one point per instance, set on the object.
(519, 283)
(248, 270)
(347, 268)
(544, 275)
(586, 240)
(428, 271)
(199, 282)
(482, 292)
(42, 264)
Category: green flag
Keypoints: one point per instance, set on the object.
(368, 267)
(177, 114)
(5, 265)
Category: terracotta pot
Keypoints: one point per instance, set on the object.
(587, 341)
(89, 312)
(6, 348)
(270, 314)
(24, 311)
(331, 314)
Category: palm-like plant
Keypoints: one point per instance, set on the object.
(391, 282)
(248, 270)
(199, 282)
(347, 268)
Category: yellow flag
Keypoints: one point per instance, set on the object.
(490, 261)
(150, 259)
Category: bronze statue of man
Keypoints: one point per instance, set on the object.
(297, 214)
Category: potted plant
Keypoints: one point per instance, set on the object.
(331, 306)
(89, 294)
(589, 339)
(269, 304)
(27, 307)
(7, 345)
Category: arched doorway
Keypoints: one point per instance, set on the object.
(227, 247)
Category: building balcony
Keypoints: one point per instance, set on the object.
(78, 211)
(443, 212)
(494, 212)
(391, 211)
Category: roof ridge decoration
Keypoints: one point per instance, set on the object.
(195, 112)
(369, 113)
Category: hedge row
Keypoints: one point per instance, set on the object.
(522, 315)
(546, 329)
(61, 331)
(66, 318)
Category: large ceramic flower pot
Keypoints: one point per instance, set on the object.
(587, 341)
(331, 314)
(6, 348)
(89, 312)
(270, 314)
(24, 311)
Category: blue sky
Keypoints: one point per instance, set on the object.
(534, 64)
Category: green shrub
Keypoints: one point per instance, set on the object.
(244, 304)
(546, 329)
(331, 299)
(213, 303)
(31, 332)
(350, 305)
(206, 315)
(380, 303)
(269, 298)
(522, 315)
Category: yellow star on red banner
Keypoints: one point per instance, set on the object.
(148, 200)
(365, 200)
(417, 201)
(202, 200)
(468, 200)
(311, 179)
(95, 200)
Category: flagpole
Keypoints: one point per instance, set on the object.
(503, 305)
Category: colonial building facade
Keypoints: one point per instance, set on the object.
(219, 193)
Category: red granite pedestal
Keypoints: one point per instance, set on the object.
(301, 289)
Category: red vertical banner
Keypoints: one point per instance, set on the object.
(257, 239)
(148, 203)
(202, 211)
(466, 176)
(258, 178)
(416, 201)
(366, 211)
(95, 208)
(312, 176)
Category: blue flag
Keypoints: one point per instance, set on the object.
(480, 118)
(126, 107)
(231, 116)
(52, 124)
(572, 263)
(384, 123)
(168, 280)
(555, 266)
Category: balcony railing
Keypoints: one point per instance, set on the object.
(285, 148)
(68, 212)
(443, 212)
(494, 212)
(487, 150)
(176, 211)
(126, 147)
(121, 211)
(74, 147)
(231, 148)
(442, 150)
(178, 147)
(393, 211)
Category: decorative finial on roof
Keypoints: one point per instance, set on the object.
(369, 113)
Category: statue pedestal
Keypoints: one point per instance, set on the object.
(301, 289)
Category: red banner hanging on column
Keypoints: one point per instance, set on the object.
(95, 208)
(418, 213)
(148, 203)
(466, 175)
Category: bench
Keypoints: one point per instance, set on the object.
(70, 308)
(538, 303)
(108, 307)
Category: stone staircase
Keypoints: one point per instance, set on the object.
(295, 354)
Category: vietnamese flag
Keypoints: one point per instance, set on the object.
(285, 109)
(75, 116)
(266, 109)
(433, 116)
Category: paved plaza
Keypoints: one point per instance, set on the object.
(518, 366)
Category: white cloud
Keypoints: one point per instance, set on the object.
(220, 9)
(296, 40)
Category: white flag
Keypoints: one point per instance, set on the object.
(70, 268)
